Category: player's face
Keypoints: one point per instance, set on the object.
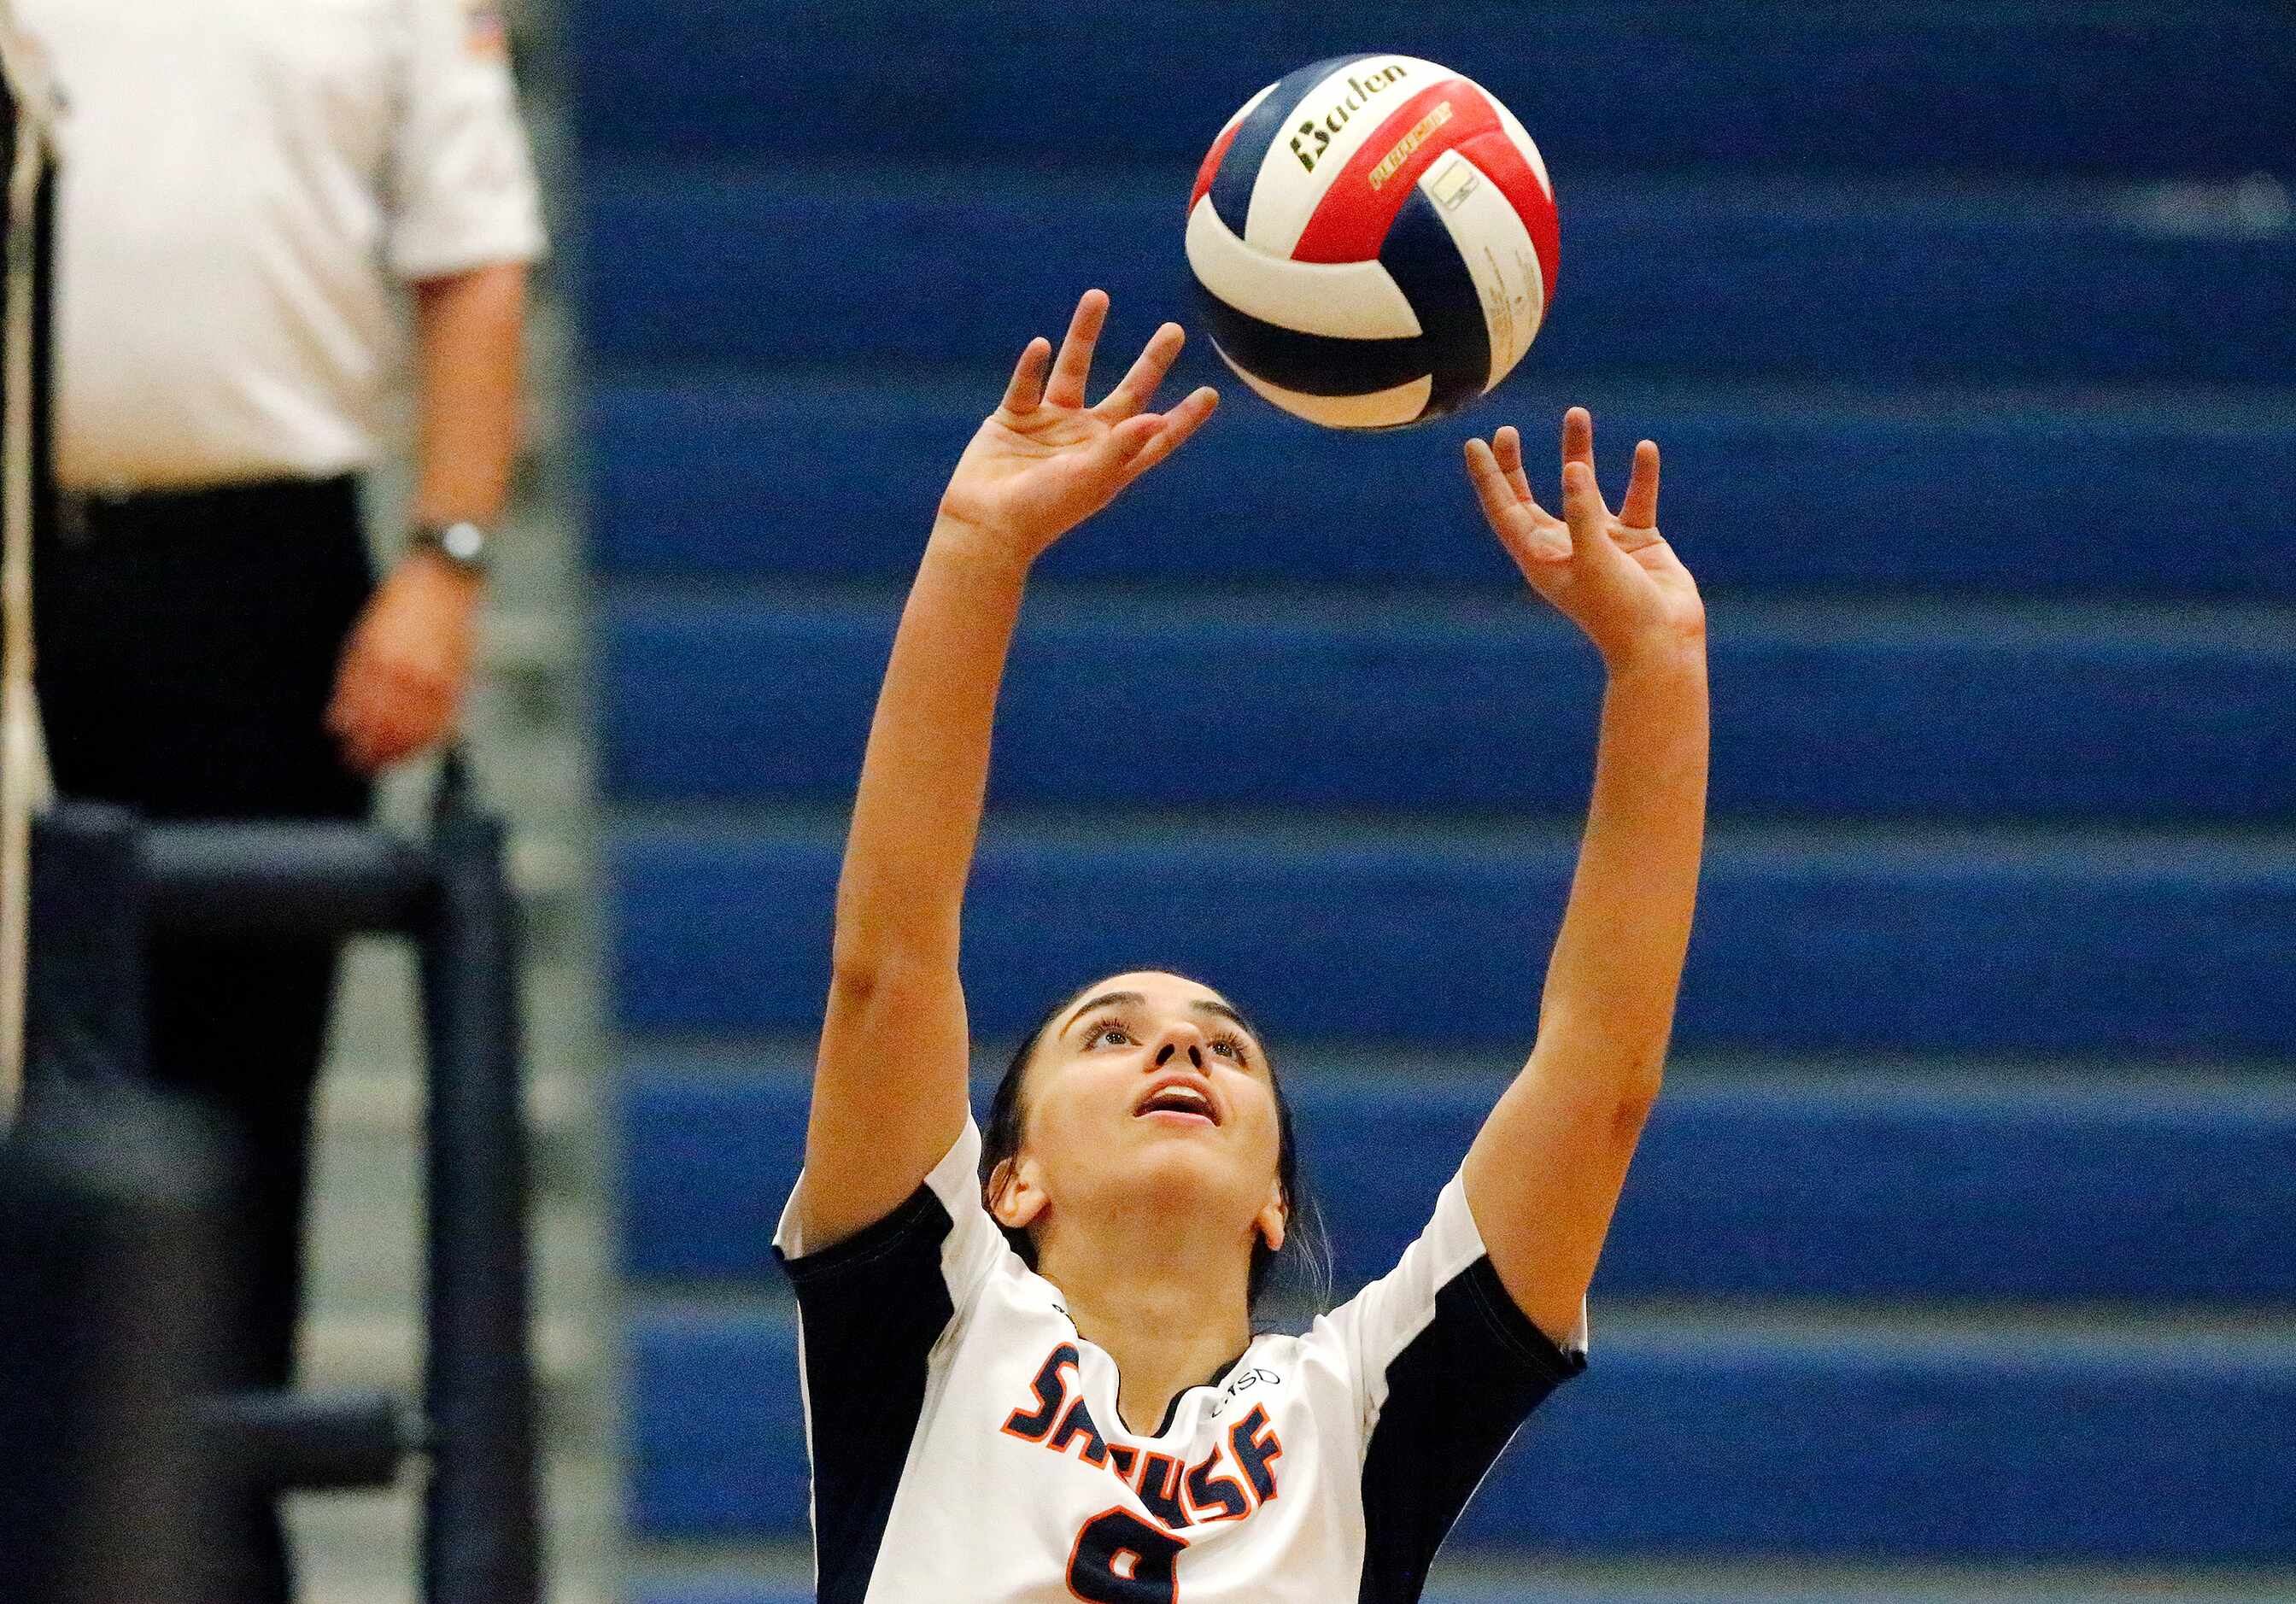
(1150, 1087)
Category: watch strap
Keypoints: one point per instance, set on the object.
(462, 543)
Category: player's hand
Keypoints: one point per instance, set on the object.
(1044, 462)
(408, 662)
(1610, 574)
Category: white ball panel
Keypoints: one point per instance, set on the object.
(1358, 98)
(1497, 249)
(1381, 409)
(1352, 301)
(1516, 132)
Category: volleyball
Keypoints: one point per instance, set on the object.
(1372, 241)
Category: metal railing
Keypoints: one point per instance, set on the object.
(103, 883)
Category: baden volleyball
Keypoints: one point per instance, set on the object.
(1372, 241)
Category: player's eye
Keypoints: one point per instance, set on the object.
(1100, 1035)
(1232, 1047)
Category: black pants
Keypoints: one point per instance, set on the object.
(187, 651)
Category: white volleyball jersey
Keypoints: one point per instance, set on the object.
(967, 1443)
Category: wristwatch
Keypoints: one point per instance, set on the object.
(463, 543)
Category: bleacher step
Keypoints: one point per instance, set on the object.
(383, 1348)
(1476, 1581)
(1875, 1185)
(363, 1548)
(2021, 286)
(1773, 489)
(1333, 928)
(2111, 89)
(1951, 712)
(1989, 1444)
(376, 1030)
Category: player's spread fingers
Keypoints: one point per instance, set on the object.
(1535, 542)
(1489, 480)
(1027, 383)
(1174, 427)
(1074, 365)
(1139, 386)
(1129, 439)
(1583, 509)
(1506, 445)
(1640, 510)
(1515, 519)
(1578, 437)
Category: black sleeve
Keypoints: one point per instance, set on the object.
(1456, 1392)
(870, 1310)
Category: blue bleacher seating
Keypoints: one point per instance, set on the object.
(1801, 492)
(1868, 1186)
(1967, 331)
(1944, 714)
(2113, 91)
(2128, 946)
(1919, 289)
(1751, 1437)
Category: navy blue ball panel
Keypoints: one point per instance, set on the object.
(1420, 255)
(1311, 364)
(1239, 170)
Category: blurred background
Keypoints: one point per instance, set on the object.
(1960, 1258)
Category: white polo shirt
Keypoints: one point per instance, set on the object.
(242, 181)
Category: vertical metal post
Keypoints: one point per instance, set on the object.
(115, 1219)
(30, 103)
(480, 1533)
(90, 902)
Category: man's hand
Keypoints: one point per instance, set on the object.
(1610, 575)
(1044, 462)
(407, 663)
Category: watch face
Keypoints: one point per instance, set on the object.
(462, 541)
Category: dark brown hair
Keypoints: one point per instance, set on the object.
(1306, 1255)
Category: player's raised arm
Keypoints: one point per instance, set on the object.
(890, 1085)
(1544, 1174)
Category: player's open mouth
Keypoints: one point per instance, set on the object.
(1182, 1098)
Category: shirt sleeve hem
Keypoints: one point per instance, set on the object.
(417, 267)
(915, 1217)
(1518, 1333)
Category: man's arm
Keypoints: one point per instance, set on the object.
(469, 329)
(1544, 1173)
(407, 663)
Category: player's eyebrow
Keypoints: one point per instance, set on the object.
(1211, 1006)
(1104, 999)
(1207, 1005)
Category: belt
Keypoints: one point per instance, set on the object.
(87, 514)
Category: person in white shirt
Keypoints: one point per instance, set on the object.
(1031, 1371)
(248, 188)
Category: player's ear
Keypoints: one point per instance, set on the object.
(1014, 1198)
(1272, 1221)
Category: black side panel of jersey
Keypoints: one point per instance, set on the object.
(1455, 1395)
(871, 1307)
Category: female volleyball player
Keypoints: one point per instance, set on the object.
(1041, 1382)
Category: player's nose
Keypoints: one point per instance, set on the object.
(1180, 1039)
